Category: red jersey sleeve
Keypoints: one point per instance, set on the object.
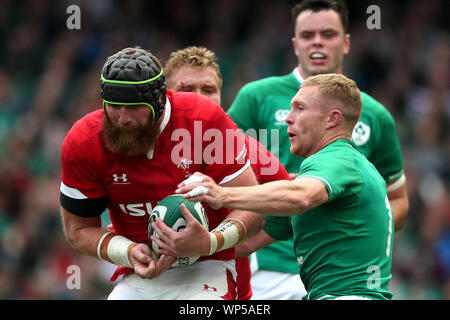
(82, 190)
(265, 165)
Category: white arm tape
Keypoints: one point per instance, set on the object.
(226, 235)
(99, 245)
(117, 250)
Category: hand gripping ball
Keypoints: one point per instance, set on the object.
(168, 209)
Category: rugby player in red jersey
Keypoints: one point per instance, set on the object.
(195, 69)
(133, 153)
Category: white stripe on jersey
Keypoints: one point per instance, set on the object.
(318, 178)
(397, 184)
(234, 175)
(298, 76)
(71, 192)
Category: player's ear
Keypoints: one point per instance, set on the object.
(334, 118)
(294, 46)
(347, 44)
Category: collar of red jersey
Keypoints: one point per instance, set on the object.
(162, 125)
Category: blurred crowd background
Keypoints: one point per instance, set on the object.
(49, 78)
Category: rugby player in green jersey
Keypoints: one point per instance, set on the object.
(320, 43)
(341, 218)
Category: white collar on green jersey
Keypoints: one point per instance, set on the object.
(298, 75)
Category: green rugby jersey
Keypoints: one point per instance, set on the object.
(343, 247)
(263, 105)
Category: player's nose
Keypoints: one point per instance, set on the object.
(289, 118)
(124, 115)
(317, 39)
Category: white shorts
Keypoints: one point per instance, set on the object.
(203, 280)
(272, 285)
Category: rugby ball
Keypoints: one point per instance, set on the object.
(168, 209)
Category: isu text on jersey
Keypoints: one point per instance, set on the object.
(93, 178)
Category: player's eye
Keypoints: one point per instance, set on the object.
(295, 106)
(209, 90)
(306, 35)
(328, 35)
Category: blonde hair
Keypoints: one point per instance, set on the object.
(341, 91)
(196, 57)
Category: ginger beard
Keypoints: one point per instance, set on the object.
(129, 140)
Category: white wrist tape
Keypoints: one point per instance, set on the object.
(117, 250)
(226, 235)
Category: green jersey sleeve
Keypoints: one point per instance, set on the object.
(388, 157)
(337, 178)
(375, 136)
(279, 228)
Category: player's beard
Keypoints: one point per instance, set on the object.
(129, 140)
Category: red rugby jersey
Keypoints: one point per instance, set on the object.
(265, 165)
(197, 135)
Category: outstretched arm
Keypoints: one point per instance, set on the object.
(278, 198)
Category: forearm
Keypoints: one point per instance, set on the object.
(398, 199)
(105, 245)
(234, 229)
(275, 198)
(278, 198)
(254, 243)
(252, 221)
(87, 236)
(86, 240)
(400, 209)
(82, 237)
